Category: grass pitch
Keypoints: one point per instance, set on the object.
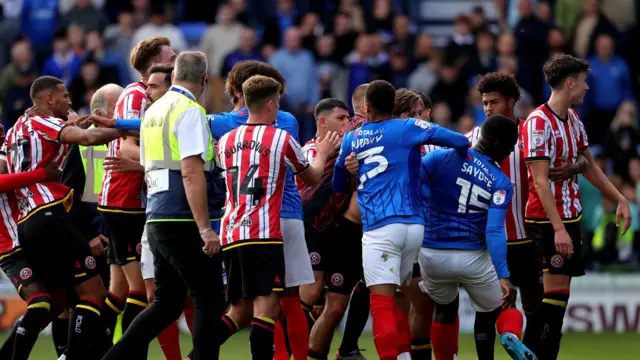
(575, 346)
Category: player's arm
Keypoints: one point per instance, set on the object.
(496, 235)
(120, 164)
(130, 147)
(422, 132)
(341, 175)
(597, 178)
(313, 173)
(88, 137)
(569, 170)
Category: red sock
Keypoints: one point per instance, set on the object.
(404, 331)
(278, 340)
(169, 340)
(385, 335)
(297, 326)
(188, 317)
(444, 339)
(510, 321)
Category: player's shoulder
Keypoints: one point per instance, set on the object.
(540, 114)
(45, 120)
(285, 117)
(309, 144)
(473, 135)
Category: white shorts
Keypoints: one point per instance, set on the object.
(146, 261)
(388, 253)
(297, 265)
(444, 270)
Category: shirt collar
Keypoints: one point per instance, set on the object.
(182, 90)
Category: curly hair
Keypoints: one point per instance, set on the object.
(147, 50)
(558, 69)
(243, 70)
(405, 101)
(504, 84)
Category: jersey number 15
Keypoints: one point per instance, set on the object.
(472, 199)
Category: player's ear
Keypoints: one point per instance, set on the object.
(511, 102)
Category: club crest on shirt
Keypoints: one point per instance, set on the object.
(132, 114)
(423, 124)
(499, 197)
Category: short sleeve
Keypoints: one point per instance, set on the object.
(536, 139)
(133, 105)
(191, 131)
(294, 159)
(49, 127)
(473, 135)
(501, 197)
(417, 132)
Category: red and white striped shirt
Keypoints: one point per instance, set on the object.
(559, 141)
(310, 153)
(9, 224)
(255, 158)
(33, 143)
(125, 191)
(516, 170)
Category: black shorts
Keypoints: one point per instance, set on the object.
(125, 236)
(523, 263)
(316, 245)
(344, 262)
(55, 248)
(254, 270)
(16, 268)
(543, 236)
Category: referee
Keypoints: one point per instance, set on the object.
(184, 193)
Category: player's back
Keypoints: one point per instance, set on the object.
(461, 188)
(31, 144)
(255, 158)
(388, 173)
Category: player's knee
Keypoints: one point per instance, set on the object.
(92, 289)
(447, 313)
(531, 298)
(334, 311)
(553, 282)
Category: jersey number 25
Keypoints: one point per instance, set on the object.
(372, 156)
(472, 199)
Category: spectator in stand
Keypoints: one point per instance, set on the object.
(38, 22)
(478, 20)
(75, 35)
(298, 68)
(90, 79)
(461, 46)
(85, 15)
(158, 26)
(403, 41)
(118, 37)
(355, 12)
(622, 140)
(451, 89)
(242, 12)
(67, 5)
(284, 18)
(328, 69)
(345, 36)
(113, 66)
(441, 115)
(18, 99)
(544, 14)
(141, 11)
(364, 65)
(199, 10)
(426, 76)
(220, 39)
(484, 60)
(9, 28)
(557, 42)
(610, 85)
(565, 14)
(309, 27)
(532, 32)
(382, 19)
(246, 51)
(423, 50)
(63, 63)
(590, 24)
(466, 123)
(21, 62)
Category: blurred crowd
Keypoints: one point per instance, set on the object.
(327, 48)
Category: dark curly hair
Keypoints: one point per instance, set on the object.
(243, 70)
(501, 83)
(558, 69)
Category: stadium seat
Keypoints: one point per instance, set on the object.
(193, 31)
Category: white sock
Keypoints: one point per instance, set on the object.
(404, 356)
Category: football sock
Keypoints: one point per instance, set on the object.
(169, 341)
(356, 318)
(33, 321)
(60, 334)
(226, 328)
(280, 352)
(297, 329)
(404, 331)
(6, 351)
(110, 312)
(261, 338)
(136, 303)
(385, 335)
(510, 321)
(86, 329)
(308, 312)
(444, 338)
(551, 314)
(421, 348)
(484, 331)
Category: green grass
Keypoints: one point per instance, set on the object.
(575, 346)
